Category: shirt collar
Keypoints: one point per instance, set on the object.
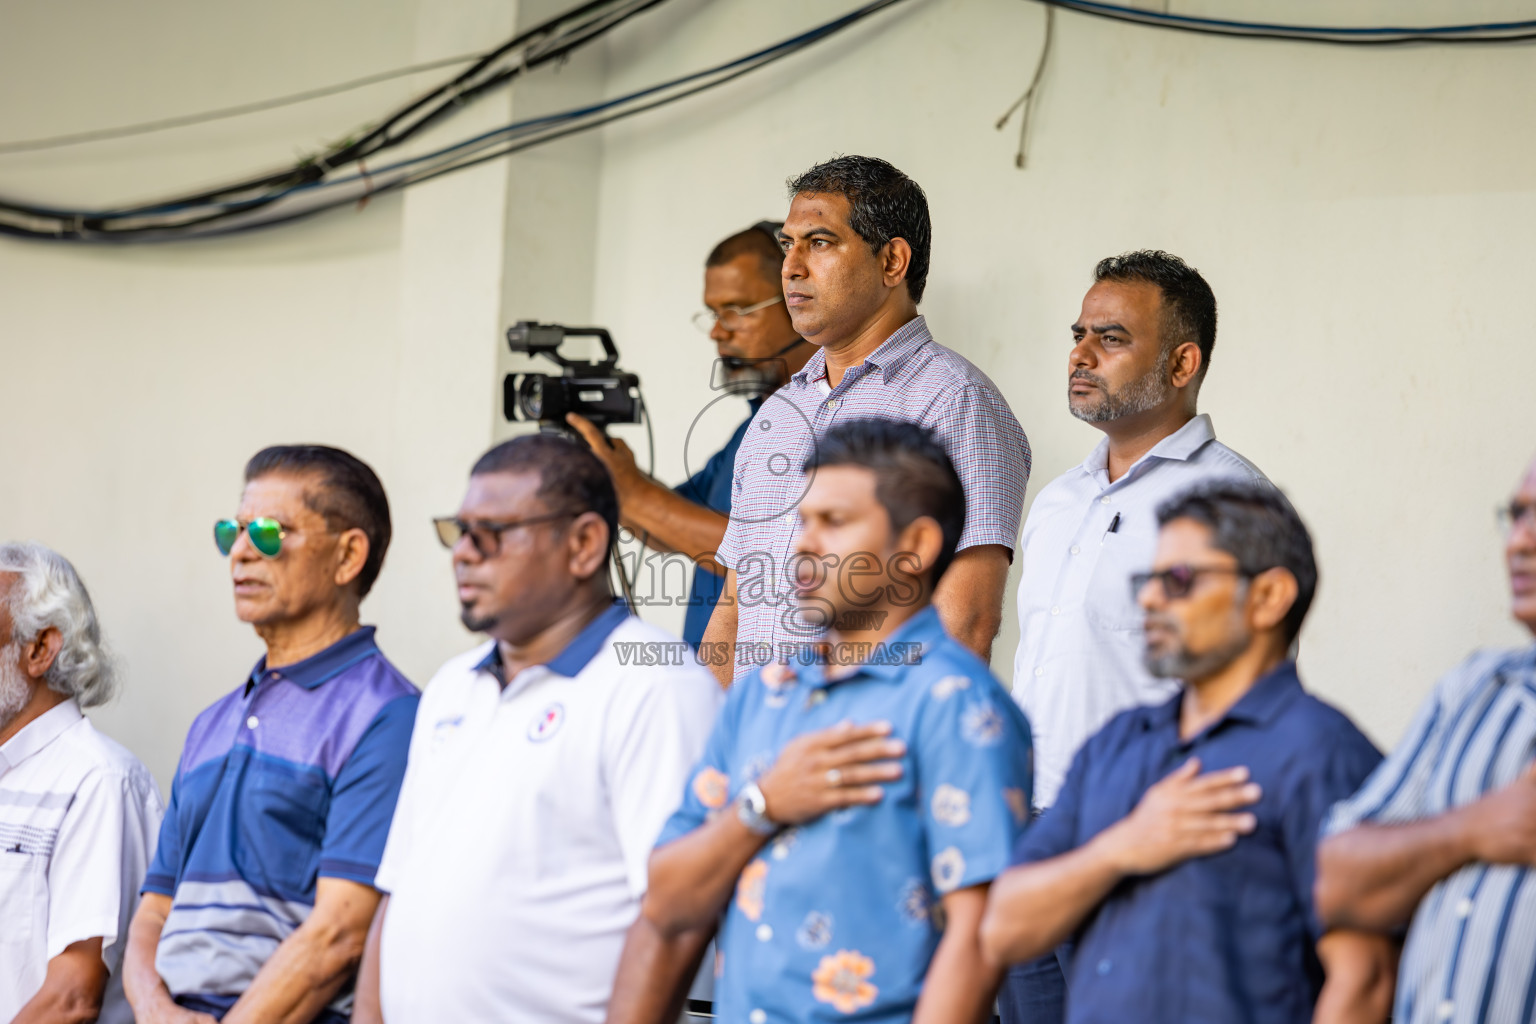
(923, 629)
(888, 358)
(322, 667)
(1179, 446)
(38, 733)
(578, 653)
(1270, 694)
(1520, 661)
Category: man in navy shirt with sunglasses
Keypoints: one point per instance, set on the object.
(259, 898)
(1181, 850)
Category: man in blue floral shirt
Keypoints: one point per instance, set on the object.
(854, 803)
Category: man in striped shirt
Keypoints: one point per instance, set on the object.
(856, 247)
(258, 899)
(1444, 832)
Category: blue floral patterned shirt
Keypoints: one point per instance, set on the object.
(840, 917)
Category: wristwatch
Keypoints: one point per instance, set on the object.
(752, 810)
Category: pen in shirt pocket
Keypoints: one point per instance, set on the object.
(1114, 525)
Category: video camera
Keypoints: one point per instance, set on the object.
(600, 391)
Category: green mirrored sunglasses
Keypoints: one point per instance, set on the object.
(266, 535)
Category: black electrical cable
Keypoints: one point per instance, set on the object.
(584, 126)
(223, 113)
(558, 128)
(380, 137)
(157, 220)
(1118, 12)
(375, 140)
(1468, 34)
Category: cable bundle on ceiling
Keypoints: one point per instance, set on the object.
(317, 185)
(339, 176)
(209, 210)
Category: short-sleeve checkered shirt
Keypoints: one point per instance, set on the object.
(909, 377)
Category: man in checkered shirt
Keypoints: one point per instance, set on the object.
(856, 248)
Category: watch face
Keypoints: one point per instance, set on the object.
(753, 810)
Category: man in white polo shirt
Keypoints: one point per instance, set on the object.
(78, 813)
(542, 767)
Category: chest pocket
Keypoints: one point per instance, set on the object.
(1514, 756)
(23, 894)
(1108, 602)
(282, 825)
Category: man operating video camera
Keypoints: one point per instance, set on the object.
(745, 317)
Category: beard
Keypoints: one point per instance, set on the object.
(1182, 663)
(755, 379)
(1140, 395)
(15, 690)
(475, 623)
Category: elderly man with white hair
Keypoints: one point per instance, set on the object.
(78, 813)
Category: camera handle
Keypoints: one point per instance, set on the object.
(601, 334)
(533, 338)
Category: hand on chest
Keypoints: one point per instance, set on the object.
(1123, 785)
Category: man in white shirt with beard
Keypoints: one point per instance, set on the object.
(1142, 346)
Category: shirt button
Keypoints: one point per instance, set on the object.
(764, 932)
(1446, 1011)
(1055, 610)
(817, 696)
(831, 403)
(1104, 500)
(1464, 908)
(757, 1017)
(251, 723)
(1039, 672)
(1076, 550)
(1105, 966)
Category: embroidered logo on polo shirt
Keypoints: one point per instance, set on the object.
(445, 730)
(547, 724)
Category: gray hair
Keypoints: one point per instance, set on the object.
(49, 594)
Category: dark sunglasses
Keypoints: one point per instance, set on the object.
(485, 536)
(265, 532)
(1515, 513)
(1178, 581)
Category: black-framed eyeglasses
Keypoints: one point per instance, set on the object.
(1177, 581)
(484, 534)
(1515, 513)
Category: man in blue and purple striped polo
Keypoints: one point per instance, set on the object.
(260, 895)
(856, 247)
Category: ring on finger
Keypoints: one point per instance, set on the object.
(834, 777)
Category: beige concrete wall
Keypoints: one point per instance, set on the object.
(1361, 215)
(138, 380)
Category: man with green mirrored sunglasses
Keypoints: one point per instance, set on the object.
(262, 886)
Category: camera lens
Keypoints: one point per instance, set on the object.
(531, 396)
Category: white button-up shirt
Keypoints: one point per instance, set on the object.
(518, 853)
(1079, 661)
(78, 820)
